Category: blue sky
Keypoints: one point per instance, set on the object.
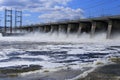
(42, 11)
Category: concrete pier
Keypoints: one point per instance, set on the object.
(109, 29)
(68, 29)
(45, 28)
(40, 29)
(93, 29)
(51, 29)
(59, 29)
(79, 29)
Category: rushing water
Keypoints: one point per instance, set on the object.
(19, 52)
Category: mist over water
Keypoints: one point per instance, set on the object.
(61, 37)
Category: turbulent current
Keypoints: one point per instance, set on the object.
(53, 54)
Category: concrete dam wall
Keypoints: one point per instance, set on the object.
(110, 25)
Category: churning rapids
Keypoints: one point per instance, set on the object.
(51, 57)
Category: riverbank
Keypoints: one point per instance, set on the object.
(107, 72)
(62, 74)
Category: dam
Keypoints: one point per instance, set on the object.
(108, 24)
(92, 26)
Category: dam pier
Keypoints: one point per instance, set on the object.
(110, 25)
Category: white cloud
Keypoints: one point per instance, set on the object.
(32, 4)
(61, 13)
(50, 10)
(27, 15)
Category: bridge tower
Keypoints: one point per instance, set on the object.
(18, 19)
(8, 20)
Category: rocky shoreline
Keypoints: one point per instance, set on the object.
(107, 72)
(15, 71)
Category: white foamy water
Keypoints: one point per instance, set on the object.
(53, 51)
(22, 53)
